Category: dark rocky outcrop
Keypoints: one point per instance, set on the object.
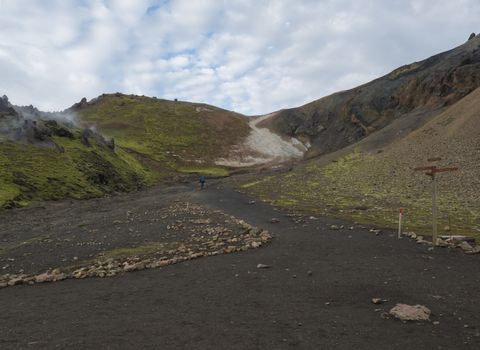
(344, 118)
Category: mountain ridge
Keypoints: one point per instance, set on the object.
(345, 117)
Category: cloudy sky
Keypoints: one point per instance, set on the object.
(251, 56)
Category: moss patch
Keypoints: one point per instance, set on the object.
(212, 171)
(356, 188)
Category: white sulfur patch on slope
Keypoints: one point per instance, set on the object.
(263, 146)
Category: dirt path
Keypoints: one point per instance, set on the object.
(316, 294)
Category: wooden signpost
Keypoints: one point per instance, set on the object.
(432, 171)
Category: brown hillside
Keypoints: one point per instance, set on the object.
(420, 88)
(368, 184)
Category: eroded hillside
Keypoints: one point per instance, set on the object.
(368, 184)
(420, 88)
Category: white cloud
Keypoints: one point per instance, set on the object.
(251, 56)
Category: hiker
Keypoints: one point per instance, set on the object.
(202, 182)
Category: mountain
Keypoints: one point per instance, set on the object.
(112, 143)
(119, 142)
(421, 88)
(165, 135)
(369, 181)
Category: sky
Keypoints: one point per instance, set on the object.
(250, 56)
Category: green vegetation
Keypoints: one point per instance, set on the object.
(154, 140)
(71, 170)
(175, 134)
(352, 188)
(211, 171)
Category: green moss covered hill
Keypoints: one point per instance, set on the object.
(116, 143)
(167, 136)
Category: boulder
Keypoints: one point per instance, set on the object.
(465, 247)
(406, 312)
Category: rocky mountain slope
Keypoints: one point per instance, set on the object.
(420, 88)
(370, 180)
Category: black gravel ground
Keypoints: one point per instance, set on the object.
(315, 295)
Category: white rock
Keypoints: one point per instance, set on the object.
(263, 266)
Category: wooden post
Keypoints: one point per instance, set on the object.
(434, 210)
(400, 214)
(432, 171)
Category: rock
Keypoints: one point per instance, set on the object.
(436, 323)
(80, 273)
(378, 301)
(406, 312)
(456, 239)
(251, 202)
(3, 284)
(15, 281)
(265, 236)
(471, 36)
(43, 277)
(442, 243)
(466, 247)
(475, 250)
(263, 266)
(410, 234)
(334, 227)
(309, 273)
(274, 220)
(255, 244)
(202, 221)
(256, 231)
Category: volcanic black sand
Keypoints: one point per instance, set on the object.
(316, 293)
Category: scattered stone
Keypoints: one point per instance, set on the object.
(436, 323)
(15, 281)
(251, 202)
(202, 221)
(309, 273)
(274, 221)
(475, 250)
(263, 266)
(378, 301)
(255, 244)
(466, 247)
(334, 227)
(456, 239)
(406, 312)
